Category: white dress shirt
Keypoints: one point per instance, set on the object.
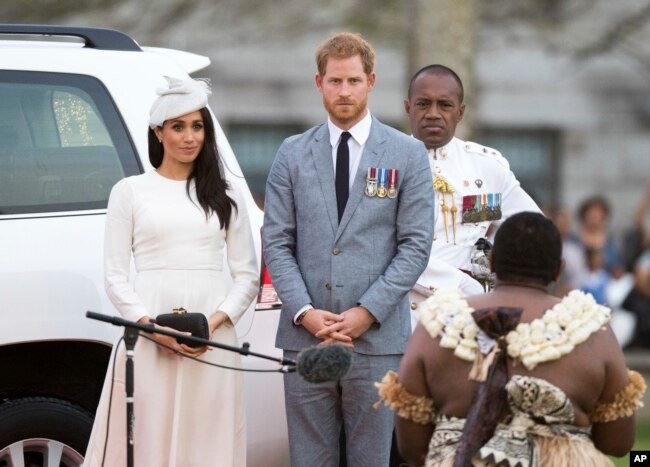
(360, 133)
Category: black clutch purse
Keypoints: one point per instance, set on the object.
(181, 320)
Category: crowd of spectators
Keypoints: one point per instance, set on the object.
(616, 271)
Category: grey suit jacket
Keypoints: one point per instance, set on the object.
(373, 257)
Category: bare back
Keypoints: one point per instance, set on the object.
(593, 371)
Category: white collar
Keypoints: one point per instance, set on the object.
(442, 151)
(360, 132)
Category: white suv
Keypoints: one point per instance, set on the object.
(73, 121)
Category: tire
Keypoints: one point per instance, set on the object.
(38, 428)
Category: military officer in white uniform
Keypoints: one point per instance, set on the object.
(474, 187)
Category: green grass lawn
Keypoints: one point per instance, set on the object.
(642, 442)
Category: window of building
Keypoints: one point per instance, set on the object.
(533, 156)
(255, 146)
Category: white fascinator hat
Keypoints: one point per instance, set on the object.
(180, 97)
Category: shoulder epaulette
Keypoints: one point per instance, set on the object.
(476, 148)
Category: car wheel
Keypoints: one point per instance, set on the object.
(42, 431)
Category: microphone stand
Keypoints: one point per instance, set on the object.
(131, 334)
(130, 338)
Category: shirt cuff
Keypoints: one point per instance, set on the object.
(301, 311)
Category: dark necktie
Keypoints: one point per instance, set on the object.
(342, 173)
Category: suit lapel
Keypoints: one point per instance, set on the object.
(322, 154)
(371, 156)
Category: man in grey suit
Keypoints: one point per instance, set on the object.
(348, 227)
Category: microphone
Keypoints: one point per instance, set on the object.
(288, 364)
(321, 364)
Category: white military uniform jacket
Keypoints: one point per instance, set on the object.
(478, 179)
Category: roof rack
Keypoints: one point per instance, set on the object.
(96, 38)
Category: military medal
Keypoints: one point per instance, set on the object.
(468, 207)
(490, 206)
(477, 209)
(483, 212)
(392, 183)
(494, 206)
(371, 182)
(383, 179)
(497, 206)
(471, 209)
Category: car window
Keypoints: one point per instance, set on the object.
(63, 144)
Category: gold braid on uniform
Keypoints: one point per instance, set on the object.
(418, 409)
(441, 185)
(624, 404)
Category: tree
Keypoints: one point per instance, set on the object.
(442, 31)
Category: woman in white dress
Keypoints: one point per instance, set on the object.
(181, 222)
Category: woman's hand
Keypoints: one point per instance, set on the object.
(194, 351)
(217, 319)
(169, 345)
(214, 322)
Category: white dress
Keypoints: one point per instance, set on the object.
(186, 413)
